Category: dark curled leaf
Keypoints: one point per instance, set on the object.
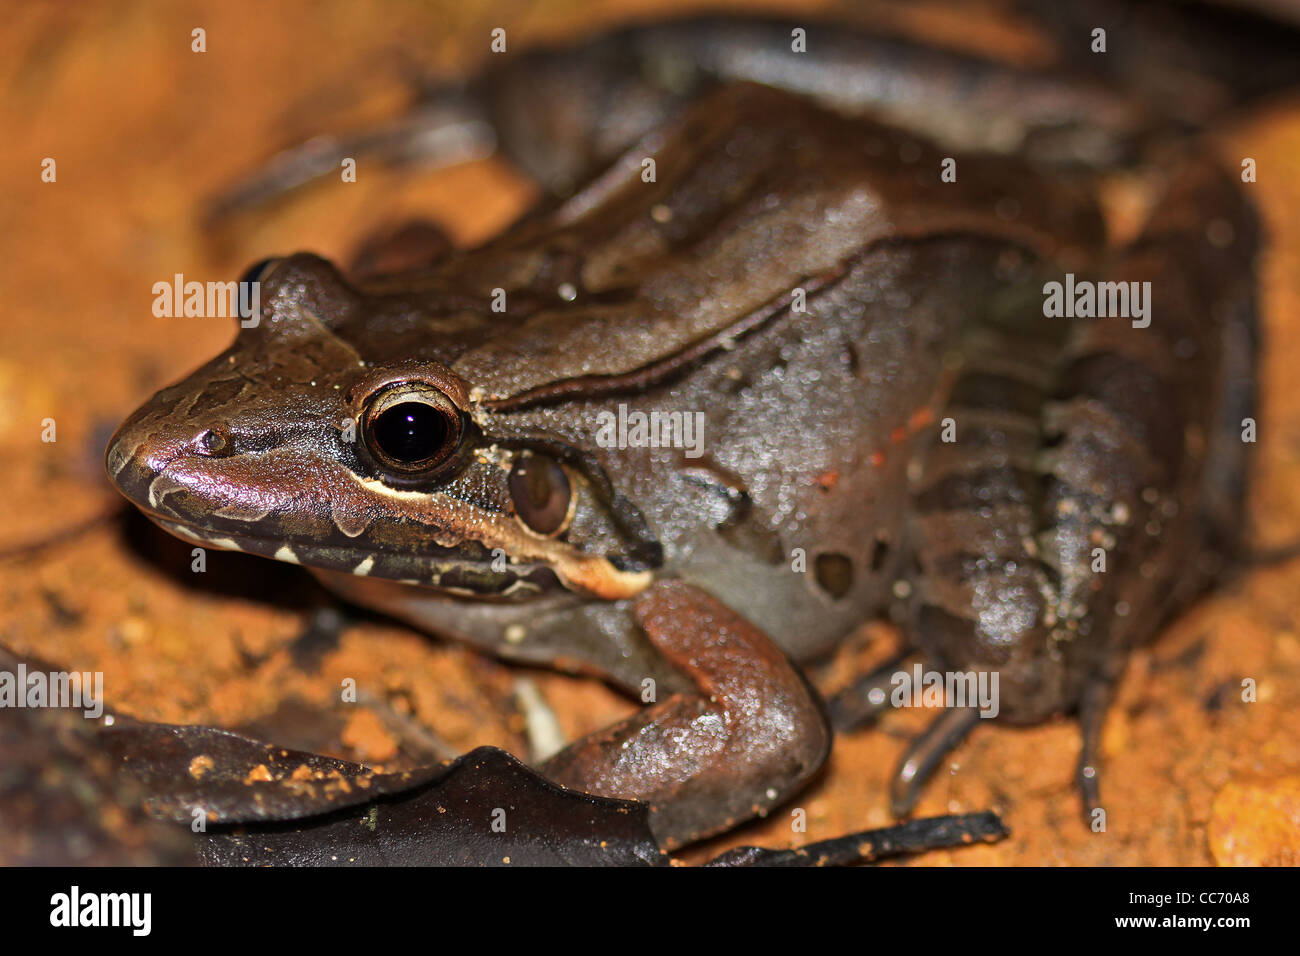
(299, 808)
(234, 779)
(449, 820)
(63, 801)
(915, 836)
(306, 808)
(71, 791)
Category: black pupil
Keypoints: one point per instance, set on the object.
(410, 432)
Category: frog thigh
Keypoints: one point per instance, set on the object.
(731, 730)
(1045, 558)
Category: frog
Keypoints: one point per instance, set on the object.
(756, 370)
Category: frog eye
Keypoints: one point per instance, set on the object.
(411, 428)
(541, 493)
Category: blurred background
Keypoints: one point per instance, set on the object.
(145, 133)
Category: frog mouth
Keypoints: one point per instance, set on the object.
(428, 539)
(452, 573)
(153, 490)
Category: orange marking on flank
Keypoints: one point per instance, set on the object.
(918, 420)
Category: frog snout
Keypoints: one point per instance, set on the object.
(141, 451)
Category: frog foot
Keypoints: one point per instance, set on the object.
(746, 737)
(863, 701)
(950, 728)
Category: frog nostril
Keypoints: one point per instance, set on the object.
(213, 442)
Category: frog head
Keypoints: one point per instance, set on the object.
(336, 433)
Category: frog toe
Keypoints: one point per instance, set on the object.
(924, 755)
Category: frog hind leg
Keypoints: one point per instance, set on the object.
(1047, 555)
(747, 734)
(1186, 518)
(445, 129)
(980, 599)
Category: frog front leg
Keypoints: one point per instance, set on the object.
(747, 734)
(732, 728)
